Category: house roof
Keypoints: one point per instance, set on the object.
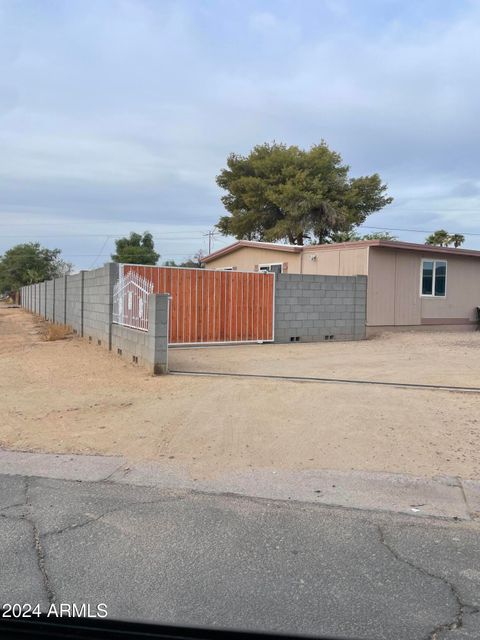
(292, 248)
(386, 244)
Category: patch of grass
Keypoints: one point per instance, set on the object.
(52, 332)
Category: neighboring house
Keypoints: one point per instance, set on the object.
(409, 285)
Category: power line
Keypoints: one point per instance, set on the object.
(210, 234)
(464, 233)
(100, 252)
(146, 223)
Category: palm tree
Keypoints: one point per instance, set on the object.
(457, 240)
(440, 238)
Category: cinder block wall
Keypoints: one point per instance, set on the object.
(38, 296)
(312, 308)
(74, 304)
(97, 303)
(85, 302)
(146, 348)
(50, 300)
(60, 300)
(43, 299)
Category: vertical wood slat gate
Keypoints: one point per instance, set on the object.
(214, 306)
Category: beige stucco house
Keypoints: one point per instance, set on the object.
(409, 285)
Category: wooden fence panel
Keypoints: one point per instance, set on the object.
(214, 306)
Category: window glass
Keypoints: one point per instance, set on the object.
(440, 278)
(427, 278)
(271, 268)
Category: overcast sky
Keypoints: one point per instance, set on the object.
(116, 115)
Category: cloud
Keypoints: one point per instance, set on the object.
(126, 110)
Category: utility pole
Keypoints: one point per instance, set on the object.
(211, 236)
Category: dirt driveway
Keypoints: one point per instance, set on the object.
(440, 358)
(69, 396)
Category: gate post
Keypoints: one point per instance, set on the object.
(113, 274)
(158, 308)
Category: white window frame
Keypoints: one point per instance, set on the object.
(432, 295)
(271, 264)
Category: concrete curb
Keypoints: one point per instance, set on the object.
(442, 497)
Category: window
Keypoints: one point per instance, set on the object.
(434, 278)
(275, 267)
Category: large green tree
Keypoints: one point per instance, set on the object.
(136, 249)
(29, 263)
(287, 193)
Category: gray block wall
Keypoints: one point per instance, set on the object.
(308, 308)
(43, 299)
(146, 348)
(312, 308)
(98, 303)
(84, 301)
(60, 301)
(50, 300)
(74, 303)
(38, 301)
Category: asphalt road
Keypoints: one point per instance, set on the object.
(227, 561)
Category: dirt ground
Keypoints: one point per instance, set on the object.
(69, 396)
(437, 358)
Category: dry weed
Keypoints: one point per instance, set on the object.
(53, 332)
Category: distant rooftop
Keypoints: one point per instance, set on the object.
(293, 248)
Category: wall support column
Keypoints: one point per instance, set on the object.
(158, 308)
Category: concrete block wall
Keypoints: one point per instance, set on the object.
(74, 303)
(98, 303)
(38, 302)
(37, 298)
(24, 297)
(43, 299)
(146, 348)
(60, 300)
(158, 314)
(50, 300)
(84, 301)
(313, 308)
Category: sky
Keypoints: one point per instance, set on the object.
(117, 115)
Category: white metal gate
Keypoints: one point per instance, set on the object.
(130, 300)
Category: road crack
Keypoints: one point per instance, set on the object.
(37, 545)
(463, 609)
(79, 525)
(11, 506)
